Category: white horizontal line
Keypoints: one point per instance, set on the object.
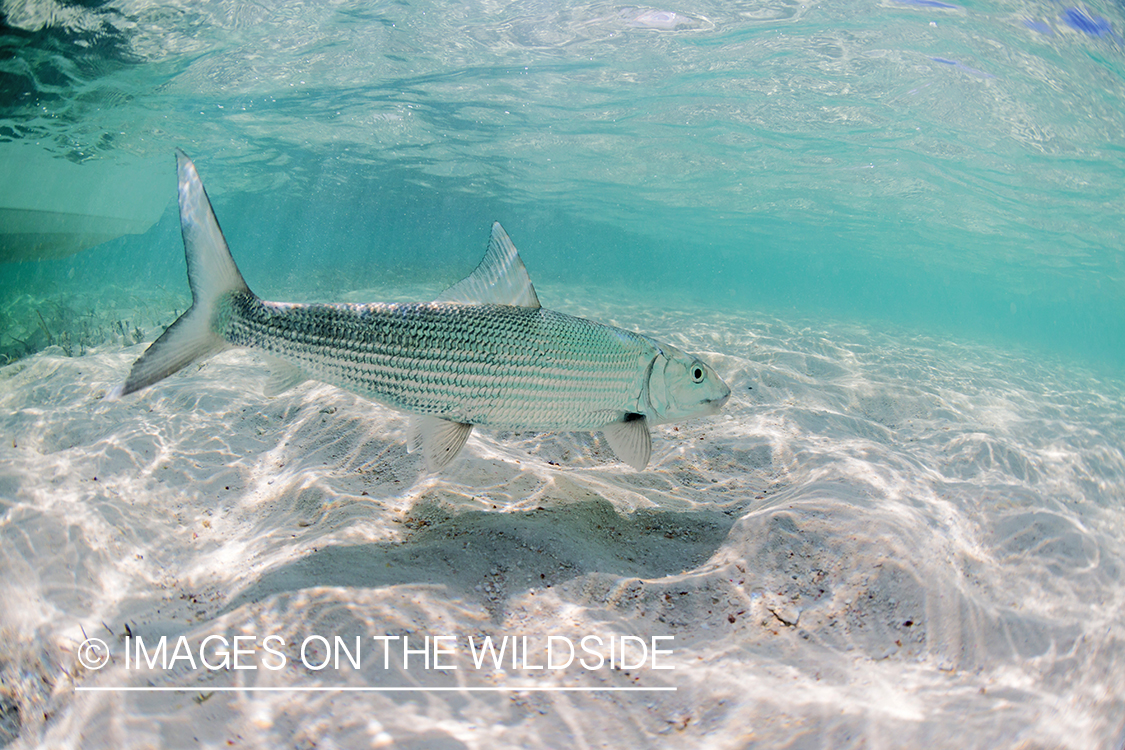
(343, 689)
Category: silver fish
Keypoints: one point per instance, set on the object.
(483, 353)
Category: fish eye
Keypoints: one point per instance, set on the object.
(697, 373)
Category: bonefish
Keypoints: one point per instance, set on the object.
(483, 353)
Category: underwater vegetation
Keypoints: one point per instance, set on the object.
(77, 324)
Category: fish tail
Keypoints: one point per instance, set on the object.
(213, 277)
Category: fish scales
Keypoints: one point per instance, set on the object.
(494, 365)
(484, 353)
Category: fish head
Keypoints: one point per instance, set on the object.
(681, 386)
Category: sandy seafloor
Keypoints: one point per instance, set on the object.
(885, 541)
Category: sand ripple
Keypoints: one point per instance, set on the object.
(884, 540)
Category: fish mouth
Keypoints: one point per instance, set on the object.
(715, 404)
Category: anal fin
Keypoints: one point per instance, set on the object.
(630, 440)
(440, 440)
(283, 376)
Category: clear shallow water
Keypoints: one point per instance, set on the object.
(896, 227)
(885, 536)
(953, 168)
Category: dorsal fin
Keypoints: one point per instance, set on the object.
(500, 279)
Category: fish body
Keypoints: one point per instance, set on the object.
(484, 353)
(490, 365)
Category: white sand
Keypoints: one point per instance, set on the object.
(885, 541)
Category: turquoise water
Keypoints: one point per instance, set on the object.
(955, 169)
(895, 230)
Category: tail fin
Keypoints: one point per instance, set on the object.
(212, 275)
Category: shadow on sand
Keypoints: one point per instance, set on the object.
(490, 556)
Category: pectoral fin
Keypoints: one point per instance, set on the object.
(439, 439)
(630, 440)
